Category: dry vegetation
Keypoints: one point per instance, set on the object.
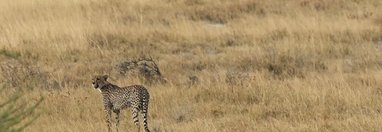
(229, 65)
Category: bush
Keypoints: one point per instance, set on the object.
(144, 68)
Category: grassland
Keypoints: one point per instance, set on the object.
(261, 65)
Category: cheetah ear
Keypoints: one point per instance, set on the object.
(105, 77)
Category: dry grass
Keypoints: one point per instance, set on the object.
(230, 65)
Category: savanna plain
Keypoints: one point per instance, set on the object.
(228, 65)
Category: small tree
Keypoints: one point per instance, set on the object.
(14, 117)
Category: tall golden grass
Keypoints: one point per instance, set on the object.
(297, 65)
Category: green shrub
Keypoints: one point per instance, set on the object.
(15, 116)
(9, 53)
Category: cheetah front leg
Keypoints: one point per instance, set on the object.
(108, 107)
(108, 119)
(117, 112)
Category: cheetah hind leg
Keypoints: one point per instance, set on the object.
(135, 118)
(144, 114)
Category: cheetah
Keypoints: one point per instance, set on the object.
(116, 99)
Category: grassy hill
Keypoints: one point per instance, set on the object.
(229, 65)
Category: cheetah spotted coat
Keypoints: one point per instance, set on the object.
(116, 99)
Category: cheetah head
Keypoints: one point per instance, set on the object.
(99, 81)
